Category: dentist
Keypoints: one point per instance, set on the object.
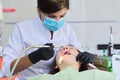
(49, 28)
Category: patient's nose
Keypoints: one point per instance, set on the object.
(65, 48)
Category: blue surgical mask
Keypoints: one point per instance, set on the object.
(52, 24)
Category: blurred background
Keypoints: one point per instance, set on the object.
(91, 20)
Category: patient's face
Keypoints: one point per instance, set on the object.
(67, 56)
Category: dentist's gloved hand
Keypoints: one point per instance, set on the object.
(85, 57)
(43, 53)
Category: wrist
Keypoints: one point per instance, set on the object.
(34, 57)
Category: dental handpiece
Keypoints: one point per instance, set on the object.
(33, 46)
(39, 46)
(91, 65)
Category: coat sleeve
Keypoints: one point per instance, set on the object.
(12, 50)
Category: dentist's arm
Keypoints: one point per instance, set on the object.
(43, 53)
(23, 63)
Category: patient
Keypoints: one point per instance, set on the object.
(65, 59)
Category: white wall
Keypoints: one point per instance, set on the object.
(24, 9)
(91, 19)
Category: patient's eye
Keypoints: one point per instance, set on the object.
(71, 47)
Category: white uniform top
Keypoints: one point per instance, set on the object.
(32, 32)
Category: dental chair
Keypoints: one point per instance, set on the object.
(116, 65)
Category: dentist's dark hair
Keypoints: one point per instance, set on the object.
(51, 6)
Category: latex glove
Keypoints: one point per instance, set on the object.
(43, 53)
(85, 57)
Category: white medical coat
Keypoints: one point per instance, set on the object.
(33, 32)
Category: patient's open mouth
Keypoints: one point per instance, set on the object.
(67, 53)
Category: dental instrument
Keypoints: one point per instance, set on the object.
(33, 46)
(91, 65)
(110, 44)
